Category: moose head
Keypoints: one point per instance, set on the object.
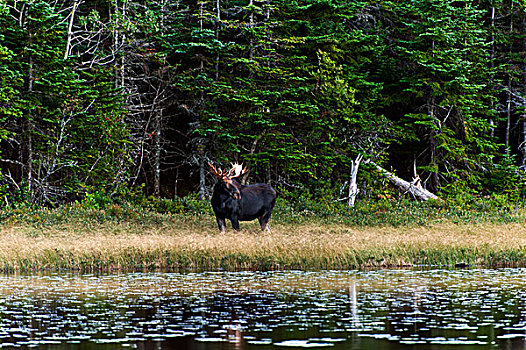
(225, 179)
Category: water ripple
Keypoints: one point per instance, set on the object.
(265, 310)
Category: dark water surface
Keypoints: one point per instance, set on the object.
(382, 309)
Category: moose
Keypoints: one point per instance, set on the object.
(236, 202)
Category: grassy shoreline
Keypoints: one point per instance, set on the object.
(187, 245)
(170, 235)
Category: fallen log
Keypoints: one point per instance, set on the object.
(414, 187)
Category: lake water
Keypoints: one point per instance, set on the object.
(381, 309)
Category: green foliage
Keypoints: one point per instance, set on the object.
(295, 90)
(446, 70)
(66, 120)
(505, 179)
(303, 209)
(95, 200)
(168, 206)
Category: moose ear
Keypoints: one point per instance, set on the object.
(216, 171)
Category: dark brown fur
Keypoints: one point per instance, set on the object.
(236, 202)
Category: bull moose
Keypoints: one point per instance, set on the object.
(236, 202)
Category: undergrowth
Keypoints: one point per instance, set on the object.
(300, 210)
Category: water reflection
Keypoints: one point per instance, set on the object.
(386, 309)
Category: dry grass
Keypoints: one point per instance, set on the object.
(193, 245)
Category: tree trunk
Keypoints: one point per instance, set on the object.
(218, 24)
(508, 104)
(202, 178)
(70, 29)
(119, 40)
(251, 24)
(30, 125)
(417, 192)
(353, 187)
(432, 140)
(523, 143)
(176, 190)
(508, 116)
(157, 153)
(492, 62)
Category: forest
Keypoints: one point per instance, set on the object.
(123, 97)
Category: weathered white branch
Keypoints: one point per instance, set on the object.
(417, 191)
(353, 187)
(70, 29)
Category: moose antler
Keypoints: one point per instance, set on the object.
(216, 171)
(237, 170)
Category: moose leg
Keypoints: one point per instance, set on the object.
(263, 221)
(221, 224)
(235, 223)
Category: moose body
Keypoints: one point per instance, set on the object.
(236, 202)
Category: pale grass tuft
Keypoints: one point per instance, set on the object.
(126, 246)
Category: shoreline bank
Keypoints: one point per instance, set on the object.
(124, 246)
